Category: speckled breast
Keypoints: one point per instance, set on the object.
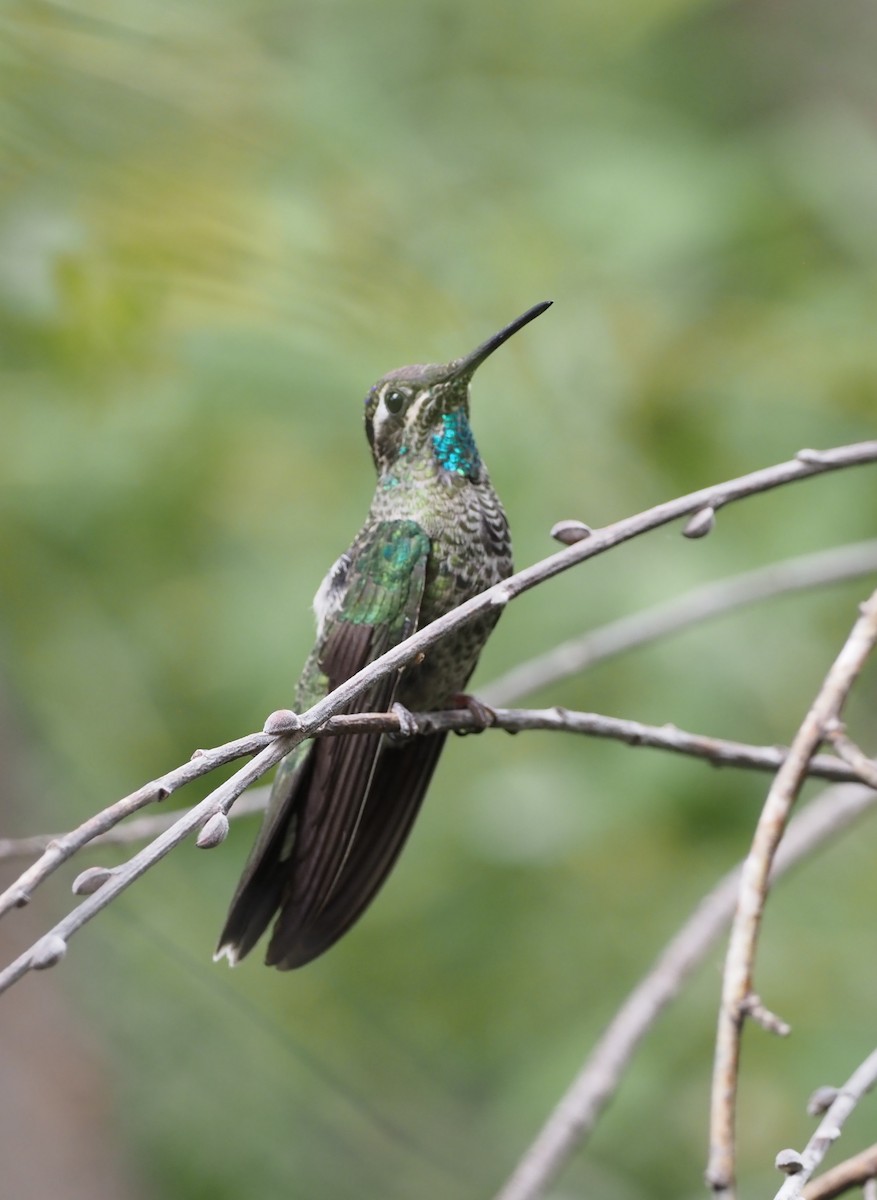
(471, 551)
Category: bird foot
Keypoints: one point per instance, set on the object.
(483, 715)
(407, 724)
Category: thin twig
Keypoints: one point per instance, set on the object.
(852, 1173)
(829, 1128)
(139, 830)
(575, 1116)
(720, 752)
(701, 604)
(739, 963)
(761, 1015)
(847, 749)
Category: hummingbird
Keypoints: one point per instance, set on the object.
(436, 534)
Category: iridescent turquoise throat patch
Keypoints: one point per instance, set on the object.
(455, 448)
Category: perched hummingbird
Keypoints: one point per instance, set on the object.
(436, 534)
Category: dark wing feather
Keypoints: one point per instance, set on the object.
(330, 807)
(319, 796)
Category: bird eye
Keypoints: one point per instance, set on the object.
(394, 401)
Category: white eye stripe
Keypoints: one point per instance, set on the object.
(414, 409)
(380, 418)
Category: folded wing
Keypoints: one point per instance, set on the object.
(341, 807)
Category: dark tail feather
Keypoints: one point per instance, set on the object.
(260, 890)
(254, 906)
(399, 783)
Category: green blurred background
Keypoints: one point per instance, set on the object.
(219, 223)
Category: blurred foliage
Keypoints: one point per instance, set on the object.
(219, 222)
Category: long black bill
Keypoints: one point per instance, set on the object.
(467, 366)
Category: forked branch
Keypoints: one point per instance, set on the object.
(269, 751)
(571, 1123)
(737, 984)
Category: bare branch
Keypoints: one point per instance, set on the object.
(123, 876)
(829, 1128)
(739, 963)
(573, 1120)
(852, 1173)
(720, 752)
(806, 464)
(701, 604)
(60, 849)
